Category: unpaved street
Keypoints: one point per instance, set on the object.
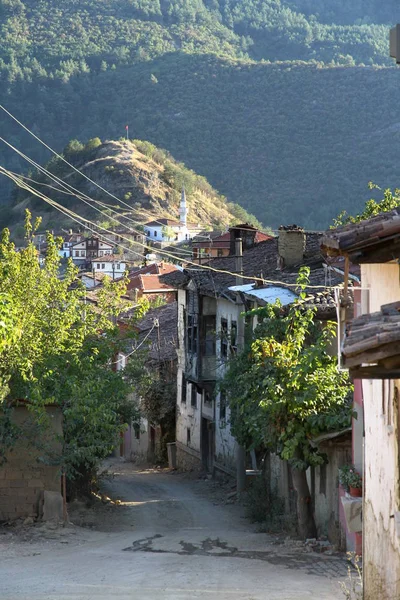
(166, 540)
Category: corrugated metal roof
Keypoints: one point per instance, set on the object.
(269, 294)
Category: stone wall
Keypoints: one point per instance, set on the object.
(188, 459)
(23, 478)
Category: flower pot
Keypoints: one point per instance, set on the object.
(355, 492)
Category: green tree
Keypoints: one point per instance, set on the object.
(372, 208)
(284, 390)
(56, 349)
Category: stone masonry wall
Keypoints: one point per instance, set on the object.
(187, 461)
(23, 478)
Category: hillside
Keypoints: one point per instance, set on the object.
(287, 107)
(147, 180)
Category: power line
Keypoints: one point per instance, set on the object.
(75, 192)
(147, 215)
(75, 217)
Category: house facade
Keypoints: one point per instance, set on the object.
(370, 350)
(87, 249)
(169, 231)
(109, 264)
(211, 329)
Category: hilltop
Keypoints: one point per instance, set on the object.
(287, 107)
(145, 180)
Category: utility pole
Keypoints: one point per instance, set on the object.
(127, 131)
(240, 451)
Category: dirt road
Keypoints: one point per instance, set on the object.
(165, 540)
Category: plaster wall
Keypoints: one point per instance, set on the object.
(225, 443)
(381, 552)
(325, 488)
(139, 442)
(188, 420)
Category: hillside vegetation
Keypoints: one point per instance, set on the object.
(146, 180)
(287, 107)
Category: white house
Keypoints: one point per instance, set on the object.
(68, 241)
(371, 352)
(109, 264)
(166, 231)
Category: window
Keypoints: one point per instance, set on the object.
(89, 242)
(222, 406)
(209, 335)
(98, 265)
(76, 252)
(103, 266)
(207, 398)
(118, 266)
(83, 252)
(234, 337)
(155, 233)
(192, 334)
(184, 389)
(188, 436)
(101, 253)
(220, 252)
(194, 395)
(224, 338)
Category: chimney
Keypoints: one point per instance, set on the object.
(239, 261)
(291, 246)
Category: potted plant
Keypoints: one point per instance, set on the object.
(344, 473)
(355, 483)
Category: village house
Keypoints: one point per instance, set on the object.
(69, 239)
(146, 282)
(370, 350)
(109, 264)
(89, 248)
(161, 232)
(211, 329)
(213, 244)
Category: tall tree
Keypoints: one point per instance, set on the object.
(284, 390)
(56, 349)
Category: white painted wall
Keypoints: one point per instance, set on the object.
(157, 233)
(381, 554)
(107, 267)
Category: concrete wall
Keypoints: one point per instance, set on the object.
(23, 479)
(381, 552)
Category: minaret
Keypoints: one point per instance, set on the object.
(183, 209)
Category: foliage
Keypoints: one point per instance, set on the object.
(284, 389)
(266, 507)
(205, 204)
(321, 70)
(372, 208)
(60, 354)
(344, 472)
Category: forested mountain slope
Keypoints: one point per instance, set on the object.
(288, 107)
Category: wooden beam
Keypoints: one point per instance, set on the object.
(374, 356)
(374, 372)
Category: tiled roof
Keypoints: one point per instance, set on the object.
(109, 258)
(149, 283)
(259, 261)
(162, 341)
